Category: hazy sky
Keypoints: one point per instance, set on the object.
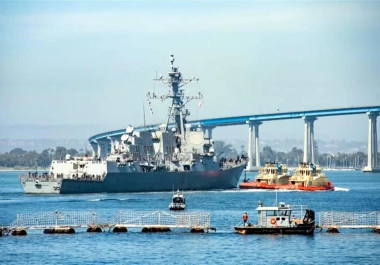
(92, 62)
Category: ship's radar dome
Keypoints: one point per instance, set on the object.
(124, 137)
(68, 157)
(130, 129)
(174, 130)
(162, 127)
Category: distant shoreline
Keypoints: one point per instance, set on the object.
(22, 169)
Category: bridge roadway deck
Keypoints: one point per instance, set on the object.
(239, 120)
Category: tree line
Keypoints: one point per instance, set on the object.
(295, 156)
(31, 159)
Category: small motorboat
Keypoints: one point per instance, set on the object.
(281, 219)
(178, 202)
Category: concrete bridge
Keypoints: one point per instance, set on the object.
(101, 143)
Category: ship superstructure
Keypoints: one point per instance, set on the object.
(175, 155)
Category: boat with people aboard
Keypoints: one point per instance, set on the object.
(309, 177)
(172, 154)
(306, 177)
(280, 219)
(178, 202)
(269, 177)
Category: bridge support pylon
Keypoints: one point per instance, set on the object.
(372, 157)
(252, 124)
(104, 148)
(94, 147)
(309, 139)
(207, 131)
(305, 141)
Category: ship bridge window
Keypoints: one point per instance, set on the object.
(151, 149)
(178, 200)
(271, 213)
(283, 213)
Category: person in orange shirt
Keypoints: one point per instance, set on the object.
(245, 219)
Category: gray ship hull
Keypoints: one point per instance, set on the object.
(143, 182)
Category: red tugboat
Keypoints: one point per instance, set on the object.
(308, 177)
(270, 177)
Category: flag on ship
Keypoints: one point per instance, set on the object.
(200, 103)
(150, 107)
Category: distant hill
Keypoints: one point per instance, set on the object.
(40, 137)
(285, 145)
(38, 145)
(51, 131)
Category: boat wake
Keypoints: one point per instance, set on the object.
(256, 190)
(101, 200)
(341, 189)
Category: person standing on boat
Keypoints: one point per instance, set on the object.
(245, 219)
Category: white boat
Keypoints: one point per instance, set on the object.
(281, 219)
(178, 202)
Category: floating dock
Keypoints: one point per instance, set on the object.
(160, 221)
(65, 222)
(333, 220)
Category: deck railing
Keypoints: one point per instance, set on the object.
(125, 218)
(58, 177)
(349, 219)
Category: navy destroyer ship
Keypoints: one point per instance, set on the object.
(174, 156)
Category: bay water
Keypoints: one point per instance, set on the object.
(355, 191)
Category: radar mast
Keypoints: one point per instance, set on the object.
(177, 111)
